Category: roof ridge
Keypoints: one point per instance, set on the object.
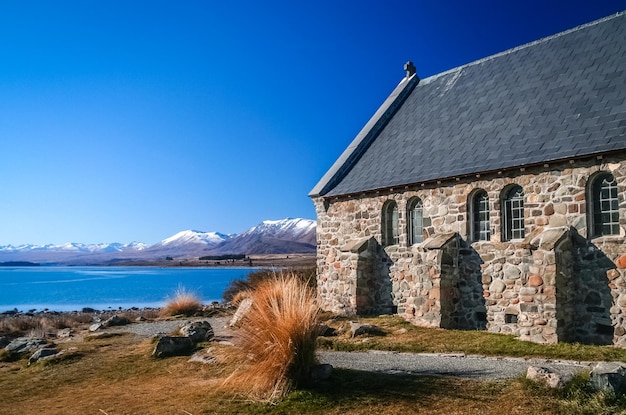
(521, 47)
(368, 133)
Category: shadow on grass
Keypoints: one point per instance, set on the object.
(349, 386)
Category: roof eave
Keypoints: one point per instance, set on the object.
(600, 155)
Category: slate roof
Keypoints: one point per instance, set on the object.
(557, 98)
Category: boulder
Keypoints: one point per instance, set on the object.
(25, 344)
(242, 310)
(321, 372)
(547, 376)
(116, 321)
(204, 357)
(64, 333)
(198, 331)
(326, 331)
(609, 377)
(4, 341)
(173, 346)
(41, 354)
(359, 329)
(96, 327)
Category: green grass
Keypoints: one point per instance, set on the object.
(408, 338)
(578, 397)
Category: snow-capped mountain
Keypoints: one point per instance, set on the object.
(302, 230)
(70, 253)
(194, 237)
(272, 237)
(268, 237)
(185, 244)
(75, 247)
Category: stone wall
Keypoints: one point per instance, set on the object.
(530, 288)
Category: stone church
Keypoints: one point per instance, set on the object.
(490, 197)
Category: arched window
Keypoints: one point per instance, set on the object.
(603, 205)
(513, 213)
(415, 224)
(390, 223)
(479, 216)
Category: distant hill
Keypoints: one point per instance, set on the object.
(284, 236)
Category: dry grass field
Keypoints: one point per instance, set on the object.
(114, 373)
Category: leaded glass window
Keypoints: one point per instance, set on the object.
(415, 225)
(390, 234)
(514, 214)
(605, 206)
(480, 217)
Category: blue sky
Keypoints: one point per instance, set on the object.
(130, 121)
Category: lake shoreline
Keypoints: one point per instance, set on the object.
(251, 261)
(72, 288)
(284, 261)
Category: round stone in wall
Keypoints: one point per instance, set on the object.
(535, 281)
(511, 272)
(497, 286)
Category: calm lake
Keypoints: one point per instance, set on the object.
(102, 288)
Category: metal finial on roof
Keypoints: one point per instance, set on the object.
(409, 68)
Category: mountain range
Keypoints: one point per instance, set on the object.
(284, 236)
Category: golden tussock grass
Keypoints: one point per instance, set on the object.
(278, 335)
(183, 302)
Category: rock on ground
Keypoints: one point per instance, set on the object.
(198, 331)
(359, 329)
(609, 377)
(25, 344)
(173, 346)
(321, 372)
(4, 341)
(116, 321)
(204, 356)
(242, 310)
(41, 354)
(548, 376)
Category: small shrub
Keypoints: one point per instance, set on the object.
(17, 325)
(279, 336)
(306, 275)
(40, 324)
(184, 302)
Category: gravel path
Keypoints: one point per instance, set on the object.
(152, 328)
(456, 365)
